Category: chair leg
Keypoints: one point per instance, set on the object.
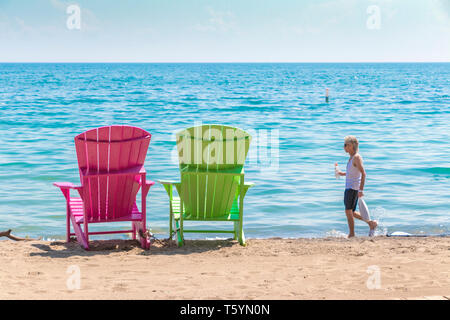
(236, 230)
(241, 236)
(182, 231)
(68, 226)
(81, 238)
(144, 238)
(179, 233)
(133, 235)
(170, 224)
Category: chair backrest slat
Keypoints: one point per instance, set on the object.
(91, 193)
(115, 149)
(125, 182)
(210, 195)
(103, 155)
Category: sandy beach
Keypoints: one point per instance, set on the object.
(330, 268)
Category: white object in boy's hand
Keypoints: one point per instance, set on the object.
(363, 209)
(336, 171)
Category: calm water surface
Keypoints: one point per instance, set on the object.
(400, 113)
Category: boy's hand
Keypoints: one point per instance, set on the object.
(360, 194)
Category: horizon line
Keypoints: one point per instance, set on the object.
(223, 62)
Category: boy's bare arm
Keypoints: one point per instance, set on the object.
(359, 164)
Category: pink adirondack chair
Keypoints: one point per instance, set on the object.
(111, 164)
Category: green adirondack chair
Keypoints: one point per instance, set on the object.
(212, 186)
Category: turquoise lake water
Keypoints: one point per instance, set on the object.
(399, 112)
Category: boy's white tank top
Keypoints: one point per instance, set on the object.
(352, 176)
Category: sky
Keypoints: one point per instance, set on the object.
(225, 31)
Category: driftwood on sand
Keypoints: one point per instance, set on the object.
(10, 236)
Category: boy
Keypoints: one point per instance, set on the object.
(355, 177)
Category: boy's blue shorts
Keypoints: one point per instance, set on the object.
(350, 199)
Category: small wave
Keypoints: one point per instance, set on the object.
(83, 100)
(137, 92)
(216, 238)
(50, 239)
(380, 230)
(405, 234)
(436, 170)
(335, 234)
(12, 164)
(124, 79)
(256, 101)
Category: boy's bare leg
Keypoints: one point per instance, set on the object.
(372, 223)
(351, 223)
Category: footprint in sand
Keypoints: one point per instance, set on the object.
(242, 287)
(120, 287)
(92, 265)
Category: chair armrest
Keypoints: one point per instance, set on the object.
(149, 183)
(65, 188)
(247, 185)
(168, 185)
(146, 187)
(67, 185)
(168, 182)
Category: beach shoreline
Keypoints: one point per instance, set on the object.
(324, 268)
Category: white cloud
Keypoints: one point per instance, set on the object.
(15, 28)
(59, 4)
(440, 11)
(219, 21)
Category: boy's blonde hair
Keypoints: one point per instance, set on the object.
(353, 141)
